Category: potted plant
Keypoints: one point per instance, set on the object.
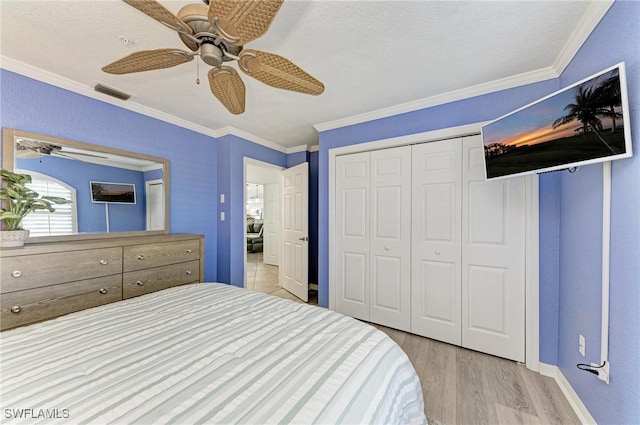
(18, 201)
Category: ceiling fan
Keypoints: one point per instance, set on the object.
(217, 32)
(29, 148)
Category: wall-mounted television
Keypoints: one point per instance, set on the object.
(118, 193)
(584, 123)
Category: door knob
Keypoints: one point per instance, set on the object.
(304, 238)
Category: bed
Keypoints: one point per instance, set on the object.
(206, 353)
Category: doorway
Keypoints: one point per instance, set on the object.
(262, 223)
(265, 262)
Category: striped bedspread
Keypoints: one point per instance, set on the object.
(206, 353)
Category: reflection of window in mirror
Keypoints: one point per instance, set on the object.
(63, 221)
(255, 201)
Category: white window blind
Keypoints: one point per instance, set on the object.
(60, 222)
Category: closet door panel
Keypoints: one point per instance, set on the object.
(436, 238)
(493, 289)
(390, 246)
(352, 235)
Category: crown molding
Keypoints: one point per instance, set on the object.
(232, 131)
(229, 130)
(296, 149)
(594, 14)
(440, 99)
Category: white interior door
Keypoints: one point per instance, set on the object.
(352, 258)
(390, 242)
(493, 256)
(270, 235)
(294, 268)
(436, 250)
(155, 204)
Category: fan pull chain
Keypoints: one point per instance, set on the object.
(197, 71)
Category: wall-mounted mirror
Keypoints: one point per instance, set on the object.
(113, 192)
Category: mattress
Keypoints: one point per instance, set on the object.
(206, 353)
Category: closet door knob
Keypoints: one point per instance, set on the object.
(386, 248)
(437, 252)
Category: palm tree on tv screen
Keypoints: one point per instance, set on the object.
(609, 96)
(589, 104)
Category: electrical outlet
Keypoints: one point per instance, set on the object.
(582, 345)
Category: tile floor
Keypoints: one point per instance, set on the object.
(263, 277)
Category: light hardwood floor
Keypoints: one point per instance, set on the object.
(263, 277)
(460, 386)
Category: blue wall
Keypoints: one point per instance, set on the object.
(581, 236)
(231, 242)
(37, 107)
(570, 223)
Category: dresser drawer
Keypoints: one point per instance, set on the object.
(38, 270)
(144, 281)
(34, 305)
(139, 257)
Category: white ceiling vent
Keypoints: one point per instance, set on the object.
(99, 87)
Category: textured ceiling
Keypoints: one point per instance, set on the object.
(370, 55)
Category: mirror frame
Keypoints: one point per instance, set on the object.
(8, 162)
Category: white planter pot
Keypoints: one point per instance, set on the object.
(13, 238)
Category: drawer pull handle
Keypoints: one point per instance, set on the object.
(140, 283)
(189, 272)
(16, 309)
(103, 291)
(104, 262)
(140, 257)
(16, 273)
(387, 248)
(189, 250)
(437, 252)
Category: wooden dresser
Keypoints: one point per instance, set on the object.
(45, 280)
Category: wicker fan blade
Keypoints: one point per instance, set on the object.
(240, 21)
(148, 60)
(158, 12)
(278, 72)
(227, 86)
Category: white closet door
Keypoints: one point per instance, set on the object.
(493, 247)
(390, 242)
(352, 235)
(436, 250)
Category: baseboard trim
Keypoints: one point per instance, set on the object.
(572, 397)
